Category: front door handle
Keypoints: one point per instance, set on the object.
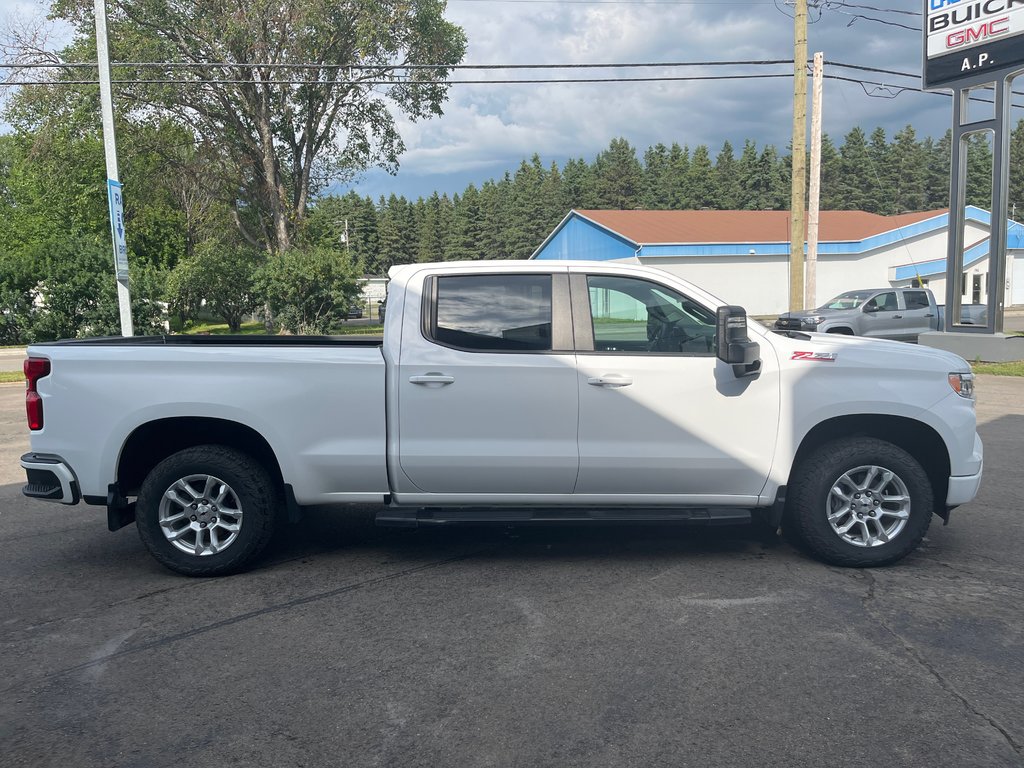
(610, 380)
(432, 378)
(897, 317)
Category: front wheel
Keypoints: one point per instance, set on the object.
(860, 502)
(207, 510)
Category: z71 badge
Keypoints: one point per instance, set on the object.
(827, 357)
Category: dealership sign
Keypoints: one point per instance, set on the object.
(966, 38)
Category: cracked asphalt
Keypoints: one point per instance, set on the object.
(645, 646)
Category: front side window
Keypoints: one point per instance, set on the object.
(496, 313)
(632, 315)
(883, 302)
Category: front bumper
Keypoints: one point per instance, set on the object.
(49, 479)
(963, 489)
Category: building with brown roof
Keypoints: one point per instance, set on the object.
(743, 256)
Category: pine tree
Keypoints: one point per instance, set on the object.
(853, 185)
(701, 180)
(618, 176)
(746, 177)
(979, 171)
(830, 175)
(677, 180)
(1015, 203)
(657, 169)
(880, 175)
(726, 178)
(577, 185)
(936, 171)
(906, 173)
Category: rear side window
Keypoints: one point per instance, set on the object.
(916, 299)
(493, 313)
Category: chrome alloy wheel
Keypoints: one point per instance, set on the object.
(868, 506)
(200, 515)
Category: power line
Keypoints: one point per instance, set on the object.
(378, 67)
(681, 78)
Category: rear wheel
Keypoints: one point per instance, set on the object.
(207, 510)
(860, 502)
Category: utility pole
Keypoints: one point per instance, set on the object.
(796, 217)
(114, 196)
(814, 193)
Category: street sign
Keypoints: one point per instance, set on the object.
(114, 198)
(967, 38)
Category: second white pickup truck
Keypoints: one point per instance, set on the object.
(509, 391)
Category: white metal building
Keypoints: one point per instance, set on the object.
(743, 256)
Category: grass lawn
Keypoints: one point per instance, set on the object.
(221, 329)
(1000, 369)
(7, 377)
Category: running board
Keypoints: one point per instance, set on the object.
(413, 517)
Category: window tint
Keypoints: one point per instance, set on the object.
(885, 302)
(916, 299)
(498, 313)
(632, 315)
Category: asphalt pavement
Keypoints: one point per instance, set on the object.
(645, 646)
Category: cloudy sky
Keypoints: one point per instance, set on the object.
(488, 129)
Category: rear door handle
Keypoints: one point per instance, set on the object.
(930, 314)
(432, 378)
(610, 380)
(897, 317)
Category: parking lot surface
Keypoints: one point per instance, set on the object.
(641, 646)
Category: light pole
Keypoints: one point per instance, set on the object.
(114, 196)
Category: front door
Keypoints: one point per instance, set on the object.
(487, 387)
(660, 415)
(882, 317)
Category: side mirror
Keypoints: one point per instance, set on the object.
(869, 308)
(734, 346)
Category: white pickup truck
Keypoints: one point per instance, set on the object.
(506, 392)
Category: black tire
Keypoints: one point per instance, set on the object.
(249, 488)
(810, 501)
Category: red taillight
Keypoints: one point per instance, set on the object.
(35, 368)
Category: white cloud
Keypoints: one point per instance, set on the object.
(488, 127)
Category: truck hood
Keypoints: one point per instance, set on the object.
(861, 351)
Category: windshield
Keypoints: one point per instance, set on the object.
(848, 300)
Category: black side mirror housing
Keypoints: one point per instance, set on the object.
(734, 346)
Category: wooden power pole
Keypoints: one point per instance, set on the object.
(814, 192)
(796, 216)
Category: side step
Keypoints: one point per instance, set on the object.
(412, 517)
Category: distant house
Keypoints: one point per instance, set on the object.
(743, 256)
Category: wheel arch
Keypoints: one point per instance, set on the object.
(915, 437)
(154, 441)
(843, 330)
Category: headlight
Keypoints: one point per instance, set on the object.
(962, 384)
(813, 320)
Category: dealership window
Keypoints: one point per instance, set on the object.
(494, 313)
(632, 315)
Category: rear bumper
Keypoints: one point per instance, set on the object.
(49, 479)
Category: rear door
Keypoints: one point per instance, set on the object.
(918, 314)
(487, 386)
